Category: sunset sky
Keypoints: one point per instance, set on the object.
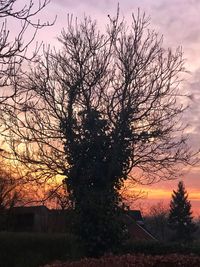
(179, 22)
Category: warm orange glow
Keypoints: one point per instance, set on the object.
(155, 195)
(166, 194)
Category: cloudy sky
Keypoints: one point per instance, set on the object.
(179, 22)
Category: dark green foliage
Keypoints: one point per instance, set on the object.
(94, 178)
(161, 248)
(180, 216)
(113, 121)
(110, 99)
(34, 249)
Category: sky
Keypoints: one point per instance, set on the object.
(179, 22)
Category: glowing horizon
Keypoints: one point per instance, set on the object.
(179, 22)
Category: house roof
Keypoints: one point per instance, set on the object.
(137, 231)
(136, 215)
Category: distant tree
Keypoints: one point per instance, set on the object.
(101, 110)
(10, 196)
(11, 186)
(180, 215)
(157, 221)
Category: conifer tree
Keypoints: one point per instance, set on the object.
(180, 216)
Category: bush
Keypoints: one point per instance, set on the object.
(161, 248)
(32, 250)
(139, 260)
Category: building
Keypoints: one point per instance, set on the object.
(42, 219)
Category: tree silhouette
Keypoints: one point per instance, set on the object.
(11, 195)
(157, 221)
(59, 198)
(101, 110)
(180, 215)
(13, 49)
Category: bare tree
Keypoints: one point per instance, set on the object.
(126, 75)
(101, 110)
(11, 192)
(13, 48)
(14, 44)
(157, 221)
(131, 195)
(58, 197)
